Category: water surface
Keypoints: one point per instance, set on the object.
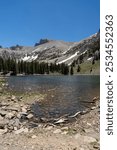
(65, 94)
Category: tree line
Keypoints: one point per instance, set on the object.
(15, 67)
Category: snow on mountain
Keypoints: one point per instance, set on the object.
(53, 51)
(72, 56)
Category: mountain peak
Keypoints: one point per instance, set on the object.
(42, 41)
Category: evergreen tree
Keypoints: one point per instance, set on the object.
(71, 70)
(79, 68)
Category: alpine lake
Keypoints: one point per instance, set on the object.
(64, 94)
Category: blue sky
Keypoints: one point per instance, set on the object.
(25, 22)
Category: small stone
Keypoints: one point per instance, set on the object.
(57, 131)
(96, 145)
(25, 130)
(3, 131)
(24, 109)
(75, 148)
(30, 116)
(3, 123)
(34, 136)
(15, 128)
(10, 127)
(16, 123)
(21, 130)
(49, 127)
(95, 98)
(77, 136)
(1, 118)
(92, 108)
(10, 108)
(3, 113)
(89, 124)
(64, 133)
(13, 98)
(88, 139)
(64, 128)
(10, 115)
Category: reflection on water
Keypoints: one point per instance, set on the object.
(64, 93)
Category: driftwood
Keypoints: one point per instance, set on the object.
(75, 115)
(62, 120)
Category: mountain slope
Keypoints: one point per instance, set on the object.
(52, 51)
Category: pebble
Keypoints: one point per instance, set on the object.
(30, 116)
(25, 130)
(57, 131)
(34, 136)
(3, 131)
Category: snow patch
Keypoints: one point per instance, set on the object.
(72, 56)
(34, 57)
(26, 58)
(64, 53)
(29, 58)
(89, 58)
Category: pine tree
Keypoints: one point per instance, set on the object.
(79, 68)
(71, 70)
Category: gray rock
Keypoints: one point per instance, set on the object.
(85, 139)
(88, 139)
(64, 132)
(24, 109)
(34, 136)
(10, 115)
(13, 97)
(21, 114)
(96, 145)
(49, 128)
(30, 116)
(3, 104)
(77, 136)
(57, 131)
(65, 128)
(12, 108)
(16, 123)
(3, 123)
(3, 113)
(3, 131)
(25, 130)
(1, 118)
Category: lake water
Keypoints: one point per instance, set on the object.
(65, 94)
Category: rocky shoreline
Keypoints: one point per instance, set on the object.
(19, 126)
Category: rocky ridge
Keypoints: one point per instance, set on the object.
(52, 51)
